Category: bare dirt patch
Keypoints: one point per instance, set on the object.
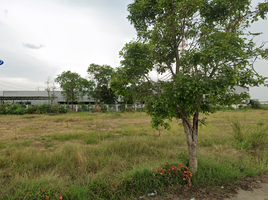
(222, 192)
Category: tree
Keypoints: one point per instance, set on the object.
(101, 77)
(121, 85)
(107, 95)
(71, 85)
(50, 90)
(125, 84)
(203, 46)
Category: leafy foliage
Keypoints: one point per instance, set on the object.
(202, 46)
(32, 109)
(71, 85)
(255, 104)
(100, 76)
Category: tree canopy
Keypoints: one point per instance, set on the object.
(203, 46)
(71, 85)
(100, 75)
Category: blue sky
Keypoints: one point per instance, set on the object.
(41, 39)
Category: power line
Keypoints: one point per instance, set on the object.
(11, 87)
(16, 85)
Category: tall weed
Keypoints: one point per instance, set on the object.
(249, 137)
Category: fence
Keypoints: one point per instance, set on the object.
(106, 107)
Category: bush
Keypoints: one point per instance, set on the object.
(83, 107)
(3, 109)
(32, 109)
(62, 109)
(19, 111)
(97, 109)
(255, 104)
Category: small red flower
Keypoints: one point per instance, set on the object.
(190, 185)
(161, 173)
(21, 198)
(46, 198)
(191, 174)
(28, 193)
(43, 190)
(184, 179)
(185, 172)
(129, 184)
(61, 197)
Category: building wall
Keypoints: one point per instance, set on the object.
(43, 94)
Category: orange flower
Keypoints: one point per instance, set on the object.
(28, 193)
(21, 198)
(61, 197)
(129, 184)
(43, 190)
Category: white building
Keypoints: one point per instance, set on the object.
(36, 97)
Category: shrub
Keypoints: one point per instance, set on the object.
(170, 175)
(63, 109)
(97, 109)
(3, 109)
(255, 104)
(19, 111)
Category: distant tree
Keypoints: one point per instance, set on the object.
(203, 46)
(71, 85)
(50, 88)
(122, 85)
(87, 86)
(107, 95)
(100, 75)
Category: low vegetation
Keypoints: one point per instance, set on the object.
(118, 155)
(17, 109)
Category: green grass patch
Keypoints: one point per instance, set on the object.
(118, 156)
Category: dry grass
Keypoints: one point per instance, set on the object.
(62, 151)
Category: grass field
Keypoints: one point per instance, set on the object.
(114, 155)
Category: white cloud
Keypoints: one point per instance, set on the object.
(33, 46)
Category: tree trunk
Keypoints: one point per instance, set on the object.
(191, 133)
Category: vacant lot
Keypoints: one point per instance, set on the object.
(95, 155)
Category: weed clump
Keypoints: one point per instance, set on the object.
(249, 138)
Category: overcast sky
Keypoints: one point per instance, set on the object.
(43, 38)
